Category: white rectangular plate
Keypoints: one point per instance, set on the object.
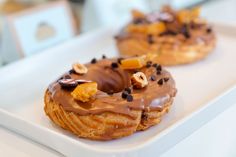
(205, 89)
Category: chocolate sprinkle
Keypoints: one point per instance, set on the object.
(114, 65)
(154, 65)
(149, 64)
(128, 90)
(166, 79)
(158, 73)
(104, 57)
(129, 98)
(209, 30)
(150, 39)
(160, 82)
(144, 116)
(72, 71)
(153, 78)
(94, 60)
(124, 94)
(158, 68)
(185, 31)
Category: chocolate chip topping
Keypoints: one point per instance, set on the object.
(149, 64)
(185, 31)
(94, 60)
(124, 94)
(128, 90)
(129, 98)
(114, 65)
(154, 65)
(166, 79)
(158, 73)
(209, 30)
(150, 39)
(104, 57)
(72, 71)
(160, 82)
(158, 68)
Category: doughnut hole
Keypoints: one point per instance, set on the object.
(112, 80)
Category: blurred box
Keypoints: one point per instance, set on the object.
(32, 30)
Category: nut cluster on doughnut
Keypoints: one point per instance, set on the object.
(110, 98)
(176, 37)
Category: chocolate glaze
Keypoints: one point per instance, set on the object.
(194, 32)
(152, 97)
(196, 35)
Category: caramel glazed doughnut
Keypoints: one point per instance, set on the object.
(176, 37)
(110, 98)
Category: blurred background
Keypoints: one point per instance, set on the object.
(23, 21)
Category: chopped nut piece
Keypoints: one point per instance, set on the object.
(139, 80)
(195, 12)
(156, 28)
(83, 81)
(79, 68)
(85, 91)
(186, 16)
(150, 56)
(137, 14)
(133, 63)
(136, 28)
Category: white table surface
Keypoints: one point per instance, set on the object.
(216, 138)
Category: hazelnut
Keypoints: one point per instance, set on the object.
(139, 80)
(79, 68)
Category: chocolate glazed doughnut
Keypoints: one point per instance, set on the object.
(131, 95)
(176, 37)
